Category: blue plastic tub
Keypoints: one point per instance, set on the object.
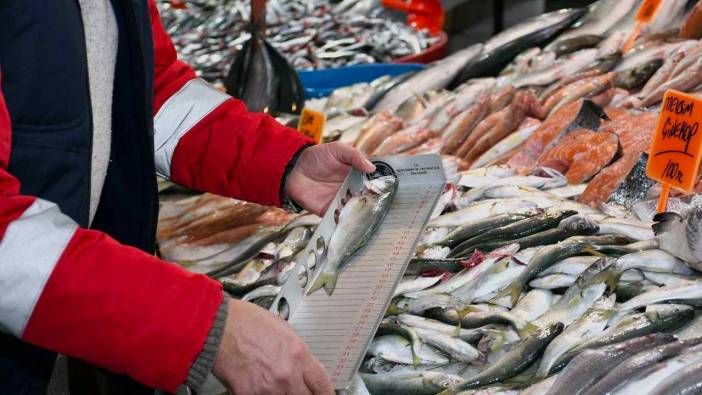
(321, 83)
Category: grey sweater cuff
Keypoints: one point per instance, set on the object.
(204, 363)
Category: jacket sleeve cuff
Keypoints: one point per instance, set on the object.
(204, 363)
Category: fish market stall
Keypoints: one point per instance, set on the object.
(544, 268)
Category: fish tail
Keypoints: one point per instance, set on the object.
(514, 291)
(527, 330)
(324, 280)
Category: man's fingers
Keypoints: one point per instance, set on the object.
(316, 378)
(351, 156)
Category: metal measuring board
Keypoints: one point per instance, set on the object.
(338, 327)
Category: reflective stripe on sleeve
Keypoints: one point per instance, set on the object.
(29, 251)
(178, 115)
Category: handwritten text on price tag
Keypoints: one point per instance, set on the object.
(675, 153)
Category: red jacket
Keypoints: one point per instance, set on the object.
(80, 293)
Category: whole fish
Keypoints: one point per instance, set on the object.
(481, 210)
(454, 347)
(687, 79)
(587, 289)
(569, 65)
(629, 367)
(512, 363)
(569, 227)
(554, 180)
(657, 261)
(471, 317)
(418, 322)
(528, 226)
(677, 292)
(398, 349)
(489, 285)
(551, 254)
(508, 143)
(657, 374)
(409, 383)
(357, 219)
(584, 88)
(470, 278)
(462, 125)
(591, 365)
(438, 76)
(633, 326)
(473, 228)
(481, 177)
(666, 69)
(572, 266)
(572, 44)
(601, 17)
(590, 325)
(686, 381)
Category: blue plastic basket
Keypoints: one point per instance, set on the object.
(321, 83)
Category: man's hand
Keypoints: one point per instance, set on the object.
(260, 354)
(319, 172)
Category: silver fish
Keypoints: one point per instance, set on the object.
(409, 383)
(357, 220)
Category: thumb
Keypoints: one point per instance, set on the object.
(351, 156)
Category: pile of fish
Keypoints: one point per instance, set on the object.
(544, 268)
(311, 34)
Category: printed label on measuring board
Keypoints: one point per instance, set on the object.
(675, 153)
(338, 327)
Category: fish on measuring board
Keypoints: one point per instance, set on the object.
(357, 217)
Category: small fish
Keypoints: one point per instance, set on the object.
(415, 321)
(409, 383)
(533, 305)
(357, 219)
(631, 327)
(474, 228)
(481, 210)
(629, 367)
(685, 381)
(592, 364)
(512, 363)
(572, 44)
(657, 261)
(569, 227)
(409, 285)
(551, 254)
(397, 349)
(678, 292)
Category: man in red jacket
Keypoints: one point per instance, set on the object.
(93, 103)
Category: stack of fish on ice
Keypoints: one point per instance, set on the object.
(544, 268)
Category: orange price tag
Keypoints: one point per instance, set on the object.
(312, 124)
(647, 11)
(676, 151)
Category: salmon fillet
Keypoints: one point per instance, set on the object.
(585, 153)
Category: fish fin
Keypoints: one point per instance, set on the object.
(593, 251)
(528, 329)
(514, 291)
(326, 280)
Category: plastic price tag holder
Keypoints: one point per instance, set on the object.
(312, 124)
(645, 15)
(674, 159)
(339, 327)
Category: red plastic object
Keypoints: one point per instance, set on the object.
(422, 14)
(435, 52)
